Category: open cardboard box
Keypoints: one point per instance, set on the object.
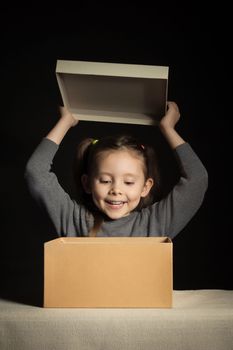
(104, 272)
(113, 92)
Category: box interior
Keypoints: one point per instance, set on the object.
(109, 240)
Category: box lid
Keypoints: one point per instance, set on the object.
(113, 92)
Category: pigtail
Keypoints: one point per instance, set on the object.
(81, 163)
(153, 171)
(98, 220)
(80, 167)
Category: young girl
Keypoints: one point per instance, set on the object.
(118, 180)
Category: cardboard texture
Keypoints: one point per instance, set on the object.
(113, 92)
(102, 272)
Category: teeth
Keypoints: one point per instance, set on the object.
(115, 202)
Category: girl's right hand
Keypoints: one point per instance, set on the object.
(68, 116)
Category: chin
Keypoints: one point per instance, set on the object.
(115, 216)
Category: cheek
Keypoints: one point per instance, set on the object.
(97, 190)
(135, 193)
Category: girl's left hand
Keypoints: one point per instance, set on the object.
(171, 117)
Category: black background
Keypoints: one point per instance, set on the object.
(196, 46)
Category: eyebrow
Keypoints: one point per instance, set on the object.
(109, 174)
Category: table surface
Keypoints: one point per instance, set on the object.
(199, 319)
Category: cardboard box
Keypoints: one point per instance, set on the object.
(102, 272)
(113, 92)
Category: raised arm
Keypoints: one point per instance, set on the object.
(168, 123)
(43, 183)
(186, 197)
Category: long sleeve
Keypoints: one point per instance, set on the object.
(181, 204)
(45, 189)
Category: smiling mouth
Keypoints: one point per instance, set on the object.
(115, 204)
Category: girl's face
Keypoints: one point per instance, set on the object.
(118, 183)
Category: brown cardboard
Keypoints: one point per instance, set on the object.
(113, 92)
(100, 272)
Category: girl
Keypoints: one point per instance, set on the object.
(117, 180)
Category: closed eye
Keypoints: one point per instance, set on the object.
(105, 181)
(129, 183)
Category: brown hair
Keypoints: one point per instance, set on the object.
(86, 158)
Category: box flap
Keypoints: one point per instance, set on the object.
(113, 92)
(108, 240)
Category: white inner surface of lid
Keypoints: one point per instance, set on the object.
(120, 99)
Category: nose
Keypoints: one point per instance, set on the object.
(115, 191)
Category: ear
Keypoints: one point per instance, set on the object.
(147, 187)
(86, 183)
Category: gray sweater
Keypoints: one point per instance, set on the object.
(164, 218)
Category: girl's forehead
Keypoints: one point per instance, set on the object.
(118, 162)
(120, 154)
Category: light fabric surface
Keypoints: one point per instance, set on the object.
(199, 320)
